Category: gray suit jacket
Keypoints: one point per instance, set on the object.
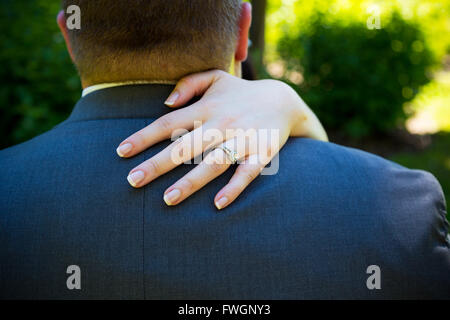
(311, 231)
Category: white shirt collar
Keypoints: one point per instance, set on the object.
(101, 86)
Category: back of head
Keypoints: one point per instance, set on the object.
(157, 39)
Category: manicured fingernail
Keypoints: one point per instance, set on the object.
(172, 197)
(222, 202)
(124, 149)
(136, 177)
(172, 98)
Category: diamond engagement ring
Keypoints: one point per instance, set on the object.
(231, 155)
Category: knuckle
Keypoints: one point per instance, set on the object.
(217, 166)
(153, 166)
(137, 138)
(216, 162)
(164, 123)
(180, 152)
(186, 184)
(208, 106)
(203, 108)
(234, 190)
(218, 73)
(227, 122)
(249, 175)
(187, 81)
(140, 139)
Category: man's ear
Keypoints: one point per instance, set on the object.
(244, 28)
(61, 19)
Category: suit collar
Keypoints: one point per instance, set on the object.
(102, 86)
(128, 101)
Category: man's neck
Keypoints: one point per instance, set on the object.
(88, 86)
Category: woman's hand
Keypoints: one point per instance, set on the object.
(248, 121)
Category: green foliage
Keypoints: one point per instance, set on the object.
(38, 83)
(357, 79)
(350, 73)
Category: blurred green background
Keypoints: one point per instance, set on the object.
(377, 73)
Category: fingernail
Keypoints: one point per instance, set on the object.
(136, 177)
(124, 149)
(222, 202)
(172, 197)
(172, 98)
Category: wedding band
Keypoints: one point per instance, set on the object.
(231, 155)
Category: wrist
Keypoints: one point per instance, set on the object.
(305, 122)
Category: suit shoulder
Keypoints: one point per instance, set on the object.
(28, 158)
(36, 144)
(379, 186)
(329, 158)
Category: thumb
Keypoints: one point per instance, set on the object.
(191, 86)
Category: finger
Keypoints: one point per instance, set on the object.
(184, 149)
(214, 165)
(249, 170)
(159, 130)
(191, 86)
(244, 175)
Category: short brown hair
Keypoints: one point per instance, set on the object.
(162, 38)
